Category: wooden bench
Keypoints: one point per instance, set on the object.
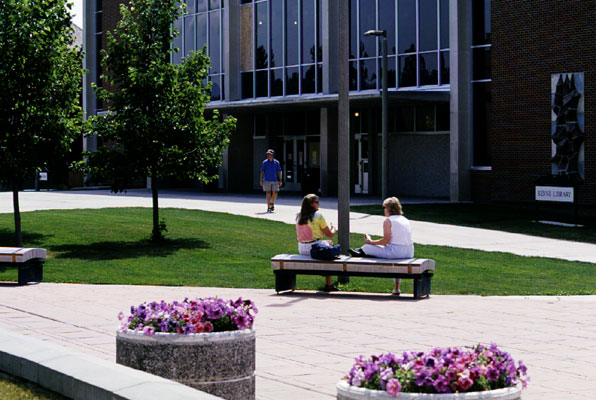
(28, 261)
(287, 266)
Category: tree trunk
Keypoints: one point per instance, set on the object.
(17, 217)
(156, 235)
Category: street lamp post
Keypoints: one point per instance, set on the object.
(384, 109)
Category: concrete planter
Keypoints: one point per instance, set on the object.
(221, 363)
(347, 392)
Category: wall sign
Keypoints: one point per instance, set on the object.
(554, 193)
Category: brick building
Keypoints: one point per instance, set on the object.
(470, 91)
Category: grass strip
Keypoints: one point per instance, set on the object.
(508, 218)
(13, 388)
(110, 246)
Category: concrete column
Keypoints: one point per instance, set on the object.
(329, 37)
(460, 59)
(324, 149)
(90, 64)
(231, 50)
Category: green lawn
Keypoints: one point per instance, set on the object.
(12, 388)
(508, 218)
(214, 249)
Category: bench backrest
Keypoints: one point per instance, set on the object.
(20, 254)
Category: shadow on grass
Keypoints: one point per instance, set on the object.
(30, 239)
(119, 250)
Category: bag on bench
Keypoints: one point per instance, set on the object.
(323, 251)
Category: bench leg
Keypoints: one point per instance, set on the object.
(30, 272)
(284, 281)
(422, 286)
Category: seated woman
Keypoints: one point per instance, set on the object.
(396, 241)
(311, 227)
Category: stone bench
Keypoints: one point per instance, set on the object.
(287, 266)
(28, 261)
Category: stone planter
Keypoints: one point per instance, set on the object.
(347, 392)
(221, 363)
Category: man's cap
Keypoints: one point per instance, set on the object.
(270, 152)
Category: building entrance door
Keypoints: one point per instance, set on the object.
(294, 161)
(362, 158)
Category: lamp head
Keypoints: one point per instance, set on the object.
(382, 33)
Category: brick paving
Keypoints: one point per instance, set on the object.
(306, 341)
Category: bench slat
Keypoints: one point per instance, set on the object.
(297, 262)
(20, 254)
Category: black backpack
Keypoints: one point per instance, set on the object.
(323, 251)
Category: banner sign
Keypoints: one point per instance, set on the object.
(554, 193)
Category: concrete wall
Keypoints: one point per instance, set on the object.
(419, 165)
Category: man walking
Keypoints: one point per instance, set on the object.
(270, 179)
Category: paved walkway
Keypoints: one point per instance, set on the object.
(307, 341)
(287, 207)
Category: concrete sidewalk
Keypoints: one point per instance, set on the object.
(306, 341)
(287, 206)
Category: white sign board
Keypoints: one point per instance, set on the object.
(554, 193)
(43, 176)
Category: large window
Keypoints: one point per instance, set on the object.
(98, 46)
(201, 27)
(481, 81)
(417, 43)
(281, 51)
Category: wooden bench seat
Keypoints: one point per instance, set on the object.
(29, 262)
(287, 266)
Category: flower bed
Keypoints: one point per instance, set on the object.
(205, 343)
(206, 315)
(441, 370)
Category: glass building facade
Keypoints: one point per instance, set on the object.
(417, 43)
(201, 28)
(481, 81)
(281, 50)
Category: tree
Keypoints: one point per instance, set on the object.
(40, 87)
(155, 124)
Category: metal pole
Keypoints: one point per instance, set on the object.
(385, 116)
(343, 130)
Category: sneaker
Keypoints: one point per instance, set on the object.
(396, 293)
(272, 208)
(269, 209)
(331, 288)
(356, 252)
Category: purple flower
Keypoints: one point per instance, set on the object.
(393, 387)
(421, 377)
(492, 374)
(148, 331)
(371, 369)
(441, 385)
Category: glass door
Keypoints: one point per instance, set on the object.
(294, 162)
(362, 168)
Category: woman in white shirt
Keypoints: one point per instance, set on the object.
(396, 241)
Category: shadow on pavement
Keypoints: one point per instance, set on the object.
(344, 295)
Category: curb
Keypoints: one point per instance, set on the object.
(80, 376)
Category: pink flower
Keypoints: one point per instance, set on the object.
(393, 387)
(464, 383)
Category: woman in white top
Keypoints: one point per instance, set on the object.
(396, 241)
